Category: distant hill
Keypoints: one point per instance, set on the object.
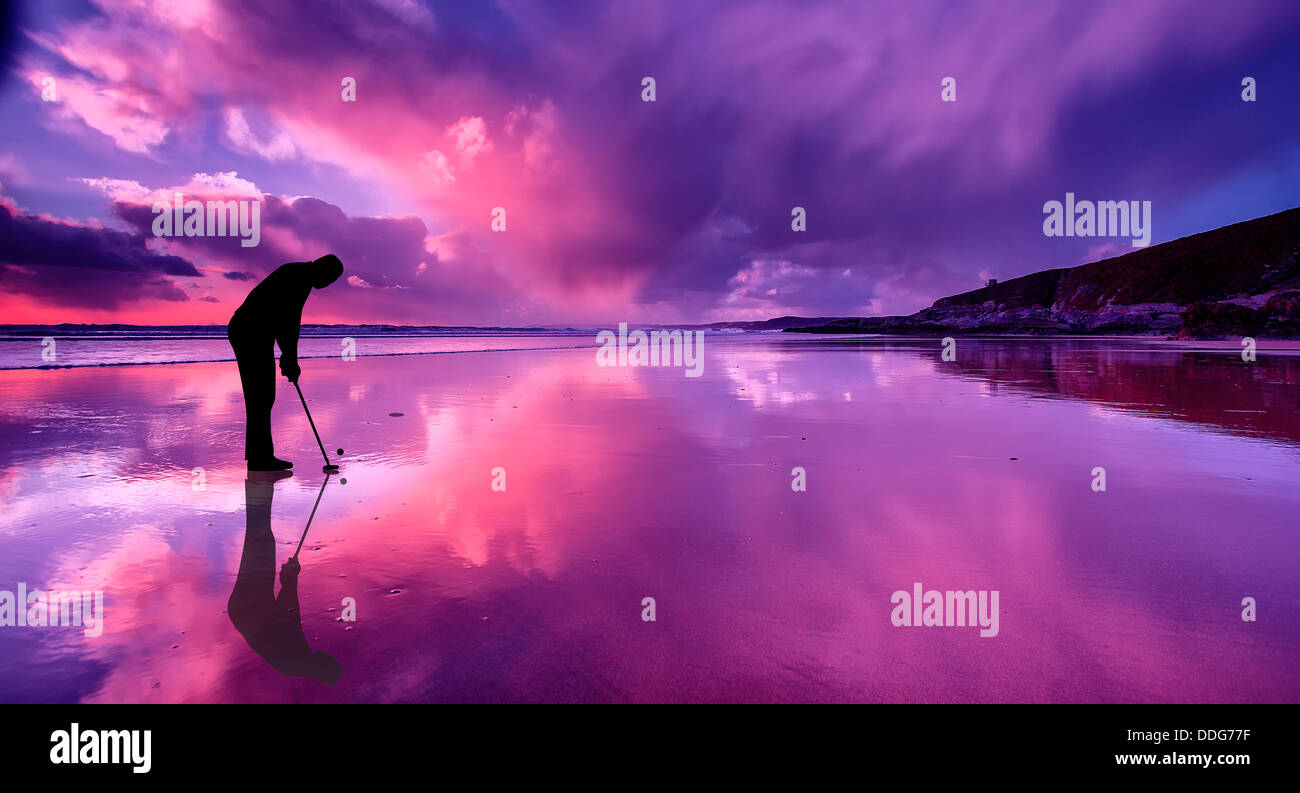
(776, 323)
(1239, 280)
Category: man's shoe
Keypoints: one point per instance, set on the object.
(267, 477)
(269, 464)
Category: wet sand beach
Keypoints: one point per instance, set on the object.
(622, 484)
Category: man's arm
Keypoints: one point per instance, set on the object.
(290, 323)
(287, 337)
(287, 600)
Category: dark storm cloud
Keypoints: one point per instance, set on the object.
(74, 265)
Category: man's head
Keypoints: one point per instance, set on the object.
(326, 270)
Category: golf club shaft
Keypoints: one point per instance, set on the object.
(313, 424)
(312, 515)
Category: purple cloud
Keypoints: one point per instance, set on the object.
(68, 264)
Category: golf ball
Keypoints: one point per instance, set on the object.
(340, 451)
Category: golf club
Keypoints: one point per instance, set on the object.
(328, 466)
(312, 515)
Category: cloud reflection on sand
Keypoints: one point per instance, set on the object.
(624, 483)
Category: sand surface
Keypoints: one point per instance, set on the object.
(623, 484)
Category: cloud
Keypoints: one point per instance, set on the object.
(127, 116)
(385, 257)
(470, 137)
(55, 264)
(651, 209)
(225, 185)
(361, 283)
(435, 165)
(13, 173)
(63, 263)
(536, 129)
(240, 135)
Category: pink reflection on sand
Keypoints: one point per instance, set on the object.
(627, 483)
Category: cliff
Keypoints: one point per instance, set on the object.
(1239, 280)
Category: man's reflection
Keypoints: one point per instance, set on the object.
(272, 625)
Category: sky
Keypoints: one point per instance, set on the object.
(616, 209)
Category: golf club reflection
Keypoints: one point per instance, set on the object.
(271, 624)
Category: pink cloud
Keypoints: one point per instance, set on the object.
(470, 135)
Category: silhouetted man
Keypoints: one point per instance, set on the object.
(272, 625)
(272, 314)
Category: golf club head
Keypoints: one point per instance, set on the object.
(329, 468)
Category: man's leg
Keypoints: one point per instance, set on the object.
(256, 359)
(254, 592)
(252, 606)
